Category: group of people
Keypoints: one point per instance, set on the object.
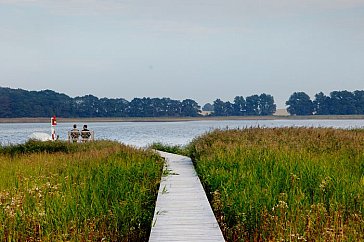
(75, 134)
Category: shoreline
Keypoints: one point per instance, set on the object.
(180, 119)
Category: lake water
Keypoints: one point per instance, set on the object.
(143, 133)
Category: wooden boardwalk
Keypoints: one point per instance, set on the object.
(182, 211)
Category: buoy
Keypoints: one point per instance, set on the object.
(53, 127)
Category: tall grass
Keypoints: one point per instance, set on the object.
(77, 192)
(175, 149)
(284, 184)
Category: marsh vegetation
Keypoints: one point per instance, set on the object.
(284, 184)
(77, 192)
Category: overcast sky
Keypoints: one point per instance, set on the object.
(199, 49)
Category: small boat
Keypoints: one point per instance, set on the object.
(40, 136)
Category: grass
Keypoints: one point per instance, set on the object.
(175, 149)
(97, 191)
(284, 184)
(33, 146)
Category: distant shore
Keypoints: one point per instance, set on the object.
(177, 119)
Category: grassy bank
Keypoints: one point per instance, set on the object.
(284, 184)
(77, 192)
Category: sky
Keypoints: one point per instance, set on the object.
(198, 49)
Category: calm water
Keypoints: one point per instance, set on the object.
(143, 133)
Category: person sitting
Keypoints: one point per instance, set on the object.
(85, 134)
(75, 133)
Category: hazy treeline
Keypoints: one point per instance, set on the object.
(337, 103)
(15, 103)
(255, 105)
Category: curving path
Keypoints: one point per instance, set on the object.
(182, 211)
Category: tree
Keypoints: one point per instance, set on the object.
(114, 107)
(321, 104)
(219, 108)
(228, 109)
(266, 105)
(342, 103)
(239, 106)
(359, 101)
(252, 105)
(136, 108)
(300, 103)
(173, 107)
(208, 107)
(87, 106)
(5, 104)
(190, 108)
(149, 107)
(21, 103)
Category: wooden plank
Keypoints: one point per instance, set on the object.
(182, 211)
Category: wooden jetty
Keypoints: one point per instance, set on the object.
(182, 211)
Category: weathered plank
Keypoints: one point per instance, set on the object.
(182, 211)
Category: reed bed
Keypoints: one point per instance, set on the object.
(284, 184)
(174, 149)
(98, 191)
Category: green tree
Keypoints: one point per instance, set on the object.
(321, 104)
(239, 106)
(359, 101)
(136, 108)
(113, 107)
(300, 103)
(228, 109)
(219, 107)
(342, 103)
(266, 105)
(87, 106)
(208, 107)
(190, 108)
(173, 107)
(252, 105)
(5, 103)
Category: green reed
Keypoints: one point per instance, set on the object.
(175, 149)
(287, 184)
(80, 192)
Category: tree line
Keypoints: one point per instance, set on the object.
(255, 105)
(337, 103)
(15, 103)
